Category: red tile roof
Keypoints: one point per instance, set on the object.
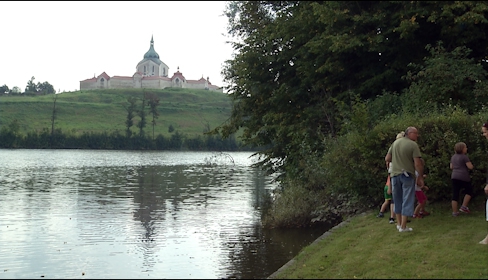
(178, 74)
(107, 77)
(89, 80)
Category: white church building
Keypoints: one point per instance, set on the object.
(151, 72)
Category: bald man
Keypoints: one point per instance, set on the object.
(405, 154)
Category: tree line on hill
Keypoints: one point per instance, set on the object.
(325, 86)
(31, 89)
(141, 111)
(45, 139)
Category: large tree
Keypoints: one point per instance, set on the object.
(4, 90)
(299, 65)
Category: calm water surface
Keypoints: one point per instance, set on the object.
(132, 214)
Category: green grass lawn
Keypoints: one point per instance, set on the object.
(440, 246)
(188, 111)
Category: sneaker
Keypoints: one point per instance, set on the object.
(455, 214)
(424, 213)
(380, 215)
(392, 221)
(398, 227)
(464, 209)
(417, 216)
(405, 229)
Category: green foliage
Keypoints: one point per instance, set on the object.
(96, 111)
(339, 79)
(302, 70)
(142, 116)
(131, 111)
(293, 207)
(359, 157)
(4, 90)
(446, 78)
(39, 88)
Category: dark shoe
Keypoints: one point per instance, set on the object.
(464, 209)
(380, 215)
(455, 214)
(392, 221)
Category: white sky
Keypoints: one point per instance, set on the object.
(64, 43)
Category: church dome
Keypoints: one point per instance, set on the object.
(151, 53)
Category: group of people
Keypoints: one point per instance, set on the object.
(405, 181)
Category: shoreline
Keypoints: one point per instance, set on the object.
(323, 236)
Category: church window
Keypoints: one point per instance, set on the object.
(164, 71)
(144, 69)
(101, 82)
(153, 70)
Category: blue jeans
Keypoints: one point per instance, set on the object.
(403, 189)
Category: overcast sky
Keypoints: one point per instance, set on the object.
(65, 42)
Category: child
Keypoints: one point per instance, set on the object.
(388, 201)
(419, 211)
(460, 165)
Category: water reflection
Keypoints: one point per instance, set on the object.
(119, 214)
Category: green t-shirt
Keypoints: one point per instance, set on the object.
(403, 151)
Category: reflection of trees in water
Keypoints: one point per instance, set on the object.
(161, 193)
(149, 197)
(259, 252)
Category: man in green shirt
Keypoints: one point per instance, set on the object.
(405, 154)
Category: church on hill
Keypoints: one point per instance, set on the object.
(151, 72)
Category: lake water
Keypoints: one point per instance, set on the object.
(138, 214)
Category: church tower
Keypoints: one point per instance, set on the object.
(151, 65)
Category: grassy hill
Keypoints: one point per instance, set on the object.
(188, 111)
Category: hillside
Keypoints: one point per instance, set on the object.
(188, 111)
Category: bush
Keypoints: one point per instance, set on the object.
(355, 162)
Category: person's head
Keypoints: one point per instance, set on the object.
(400, 135)
(484, 130)
(460, 147)
(412, 133)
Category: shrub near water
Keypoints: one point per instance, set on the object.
(352, 173)
(359, 159)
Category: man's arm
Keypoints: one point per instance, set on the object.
(419, 166)
(388, 160)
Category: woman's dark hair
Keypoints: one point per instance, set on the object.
(485, 125)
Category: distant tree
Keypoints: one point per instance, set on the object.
(31, 86)
(171, 128)
(53, 118)
(4, 90)
(45, 88)
(142, 114)
(131, 110)
(153, 105)
(15, 90)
